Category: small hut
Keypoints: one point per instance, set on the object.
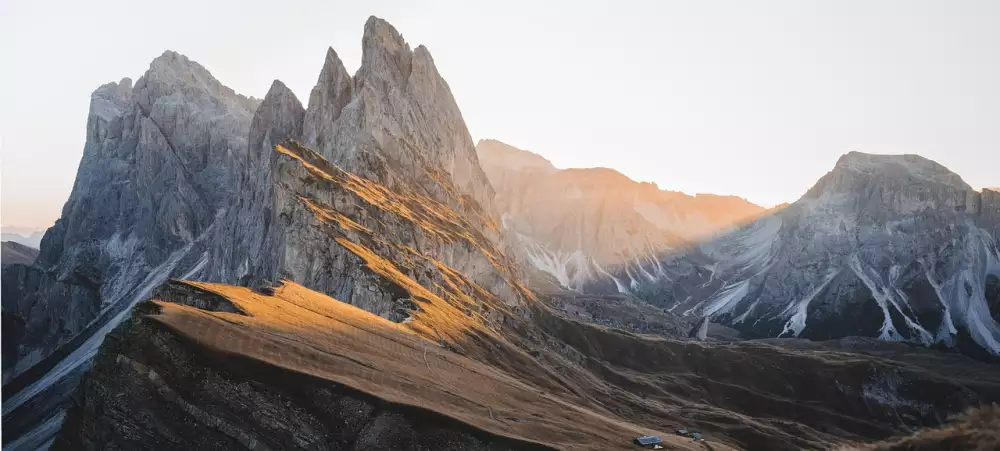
(648, 441)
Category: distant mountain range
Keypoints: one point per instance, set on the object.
(895, 247)
(28, 236)
(17, 253)
(576, 224)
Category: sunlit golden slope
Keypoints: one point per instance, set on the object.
(303, 331)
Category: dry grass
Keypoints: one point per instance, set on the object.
(300, 330)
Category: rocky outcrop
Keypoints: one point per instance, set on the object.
(576, 224)
(158, 174)
(894, 247)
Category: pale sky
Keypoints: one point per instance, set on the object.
(753, 98)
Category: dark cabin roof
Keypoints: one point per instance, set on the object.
(647, 440)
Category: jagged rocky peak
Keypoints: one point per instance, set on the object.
(392, 129)
(333, 91)
(399, 110)
(279, 117)
(173, 74)
(385, 55)
(190, 180)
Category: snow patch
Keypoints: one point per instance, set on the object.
(724, 300)
(797, 322)
(888, 331)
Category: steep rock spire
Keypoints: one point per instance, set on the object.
(254, 251)
(328, 98)
(406, 113)
(278, 117)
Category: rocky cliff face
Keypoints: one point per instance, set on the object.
(577, 224)
(394, 123)
(894, 247)
(201, 188)
(157, 172)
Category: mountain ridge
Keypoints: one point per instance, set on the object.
(575, 222)
(14, 252)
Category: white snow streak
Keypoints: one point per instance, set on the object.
(797, 323)
(83, 354)
(888, 331)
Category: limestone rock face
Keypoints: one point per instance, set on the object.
(577, 224)
(893, 247)
(331, 94)
(250, 238)
(158, 168)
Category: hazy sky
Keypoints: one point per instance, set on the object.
(754, 98)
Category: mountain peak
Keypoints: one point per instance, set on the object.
(382, 33)
(907, 165)
(172, 72)
(171, 62)
(278, 92)
(278, 116)
(333, 91)
(385, 56)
